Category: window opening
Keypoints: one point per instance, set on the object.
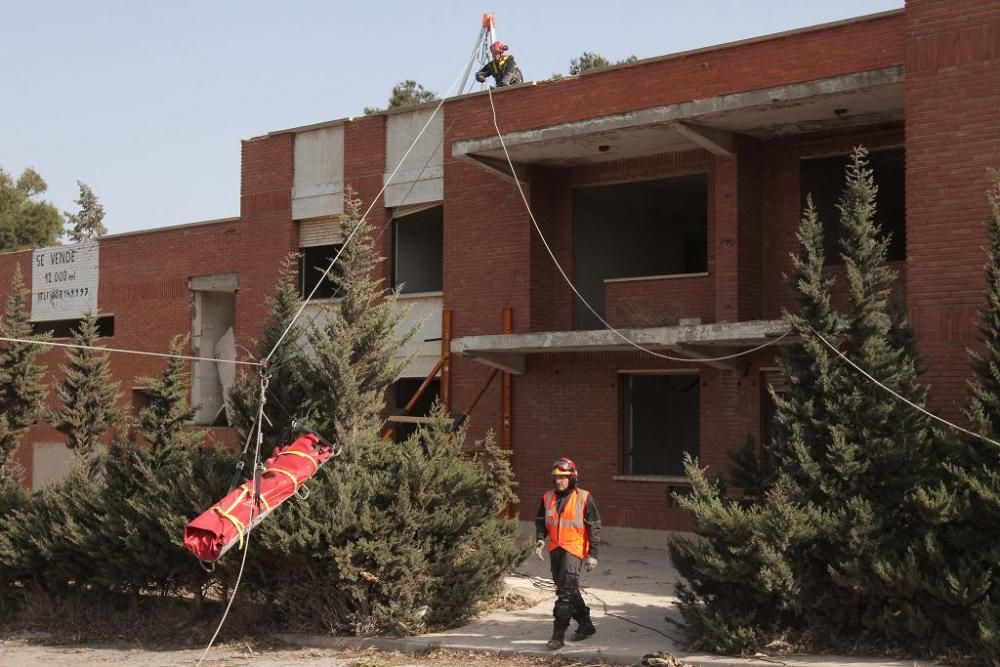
(313, 261)
(403, 390)
(660, 422)
(66, 328)
(630, 230)
(212, 337)
(825, 178)
(418, 251)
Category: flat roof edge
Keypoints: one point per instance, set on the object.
(644, 61)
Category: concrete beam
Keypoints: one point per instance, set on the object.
(708, 340)
(216, 282)
(716, 142)
(500, 167)
(698, 355)
(509, 362)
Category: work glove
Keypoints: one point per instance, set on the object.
(480, 77)
(539, 548)
(590, 563)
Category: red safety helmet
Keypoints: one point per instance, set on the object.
(565, 467)
(497, 47)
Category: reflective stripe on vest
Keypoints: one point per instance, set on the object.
(566, 529)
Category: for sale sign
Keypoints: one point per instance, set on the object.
(64, 281)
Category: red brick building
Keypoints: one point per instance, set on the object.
(669, 189)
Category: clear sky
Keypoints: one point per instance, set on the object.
(147, 101)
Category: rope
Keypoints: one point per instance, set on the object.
(354, 231)
(253, 506)
(124, 351)
(900, 396)
(607, 325)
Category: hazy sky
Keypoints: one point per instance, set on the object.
(147, 102)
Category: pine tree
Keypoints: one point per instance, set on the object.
(878, 448)
(392, 538)
(22, 390)
(847, 456)
(355, 355)
(749, 575)
(89, 398)
(89, 222)
(153, 491)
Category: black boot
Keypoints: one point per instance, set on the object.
(584, 630)
(557, 639)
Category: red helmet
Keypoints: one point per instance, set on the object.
(497, 48)
(565, 467)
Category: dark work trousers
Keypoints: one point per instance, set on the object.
(566, 576)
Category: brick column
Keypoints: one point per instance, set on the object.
(952, 99)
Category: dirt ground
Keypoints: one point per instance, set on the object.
(27, 651)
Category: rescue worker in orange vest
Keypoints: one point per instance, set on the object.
(502, 68)
(568, 517)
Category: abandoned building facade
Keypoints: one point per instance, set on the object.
(670, 191)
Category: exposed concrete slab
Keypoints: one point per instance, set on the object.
(696, 341)
(833, 103)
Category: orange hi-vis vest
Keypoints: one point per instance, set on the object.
(567, 529)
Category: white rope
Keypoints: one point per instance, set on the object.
(354, 231)
(900, 396)
(124, 351)
(607, 325)
(246, 539)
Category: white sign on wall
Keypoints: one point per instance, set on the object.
(64, 281)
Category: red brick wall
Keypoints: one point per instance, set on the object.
(657, 302)
(487, 237)
(143, 280)
(568, 405)
(267, 231)
(364, 169)
(750, 168)
(552, 301)
(952, 96)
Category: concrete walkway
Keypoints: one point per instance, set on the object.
(631, 588)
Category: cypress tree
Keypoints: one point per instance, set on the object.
(88, 396)
(22, 390)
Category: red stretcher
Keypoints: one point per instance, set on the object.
(227, 522)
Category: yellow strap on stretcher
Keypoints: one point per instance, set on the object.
(295, 482)
(263, 498)
(241, 528)
(226, 514)
(245, 491)
(303, 455)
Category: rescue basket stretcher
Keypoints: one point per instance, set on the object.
(226, 523)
